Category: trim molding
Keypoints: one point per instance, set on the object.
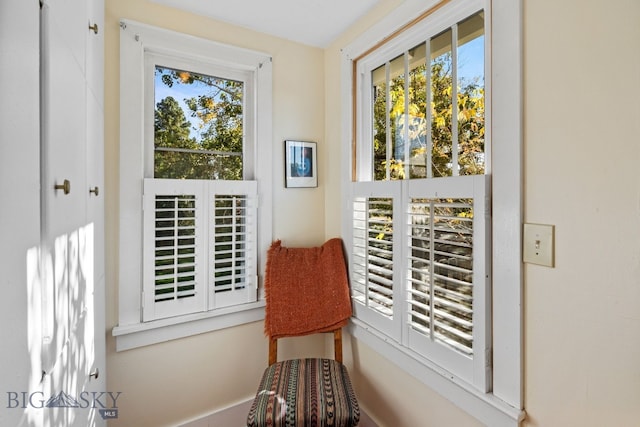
(148, 333)
(485, 407)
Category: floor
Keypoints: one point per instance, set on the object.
(236, 416)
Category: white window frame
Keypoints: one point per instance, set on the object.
(503, 404)
(138, 42)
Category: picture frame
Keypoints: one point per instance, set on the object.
(300, 164)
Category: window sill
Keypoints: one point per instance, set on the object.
(142, 334)
(486, 407)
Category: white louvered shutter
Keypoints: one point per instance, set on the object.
(233, 243)
(173, 263)
(448, 273)
(200, 246)
(375, 252)
(420, 246)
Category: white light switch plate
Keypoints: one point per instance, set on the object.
(538, 244)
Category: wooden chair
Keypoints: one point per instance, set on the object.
(310, 392)
(305, 392)
(337, 347)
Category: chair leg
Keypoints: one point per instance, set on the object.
(337, 344)
(273, 351)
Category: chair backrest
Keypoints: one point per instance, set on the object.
(337, 347)
(306, 292)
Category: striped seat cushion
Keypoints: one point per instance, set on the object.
(305, 393)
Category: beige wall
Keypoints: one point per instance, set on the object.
(171, 382)
(582, 149)
(582, 74)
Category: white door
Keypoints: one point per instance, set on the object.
(73, 352)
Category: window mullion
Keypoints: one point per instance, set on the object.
(199, 152)
(387, 118)
(455, 166)
(428, 113)
(407, 143)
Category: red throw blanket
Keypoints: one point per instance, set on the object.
(306, 289)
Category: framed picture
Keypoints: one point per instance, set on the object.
(300, 164)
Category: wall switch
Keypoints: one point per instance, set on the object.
(538, 244)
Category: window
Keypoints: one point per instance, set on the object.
(199, 240)
(199, 120)
(420, 226)
(192, 225)
(435, 149)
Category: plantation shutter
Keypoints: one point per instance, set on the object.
(448, 272)
(375, 251)
(173, 237)
(200, 246)
(233, 243)
(420, 246)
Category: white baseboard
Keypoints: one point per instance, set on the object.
(236, 415)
